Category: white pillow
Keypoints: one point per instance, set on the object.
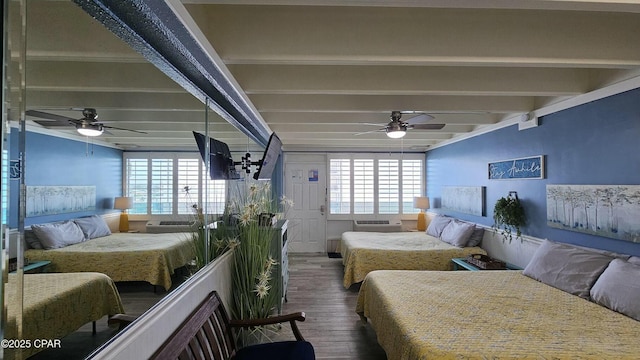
(93, 226)
(457, 233)
(618, 288)
(58, 235)
(437, 224)
(566, 267)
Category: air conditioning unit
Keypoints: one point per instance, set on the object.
(394, 225)
(169, 226)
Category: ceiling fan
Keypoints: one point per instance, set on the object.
(87, 125)
(397, 128)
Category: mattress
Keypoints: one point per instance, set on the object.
(56, 305)
(489, 315)
(363, 252)
(123, 256)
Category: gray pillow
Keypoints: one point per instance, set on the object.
(437, 224)
(476, 236)
(57, 235)
(618, 288)
(31, 239)
(457, 233)
(634, 260)
(567, 267)
(93, 226)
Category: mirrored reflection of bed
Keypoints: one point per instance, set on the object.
(56, 305)
(122, 256)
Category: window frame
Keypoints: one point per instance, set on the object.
(203, 182)
(352, 215)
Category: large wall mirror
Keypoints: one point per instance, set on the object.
(64, 72)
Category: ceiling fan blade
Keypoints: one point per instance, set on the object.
(49, 116)
(419, 119)
(426, 126)
(368, 132)
(117, 128)
(370, 124)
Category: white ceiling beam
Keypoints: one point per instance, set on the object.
(583, 5)
(97, 76)
(410, 80)
(383, 117)
(101, 100)
(359, 35)
(359, 103)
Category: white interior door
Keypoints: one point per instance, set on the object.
(305, 184)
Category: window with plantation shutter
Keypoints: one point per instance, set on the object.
(188, 185)
(137, 184)
(363, 186)
(161, 186)
(340, 185)
(374, 184)
(411, 184)
(388, 187)
(158, 182)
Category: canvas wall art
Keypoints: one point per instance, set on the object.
(464, 199)
(52, 200)
(605, 210)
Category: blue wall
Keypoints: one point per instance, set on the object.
(52, 160)
(597, 143)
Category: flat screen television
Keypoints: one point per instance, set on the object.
(221, 166)
(269, 158)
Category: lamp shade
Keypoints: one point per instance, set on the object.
(123, 203)
(421, 202)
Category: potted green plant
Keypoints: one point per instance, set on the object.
(508, 215)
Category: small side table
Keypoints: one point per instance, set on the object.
(460, 264)
(36, 267)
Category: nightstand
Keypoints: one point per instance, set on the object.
(460, 264)
(36, 267)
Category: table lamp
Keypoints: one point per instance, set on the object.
(123, 203)
(422, 203)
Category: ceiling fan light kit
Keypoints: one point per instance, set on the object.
(396, 134)
(89, 129)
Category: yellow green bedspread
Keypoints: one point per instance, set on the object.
(56, 305)
(123, 256)
(489, 315)
(363, 252)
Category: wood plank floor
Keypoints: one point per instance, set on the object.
(332, 326)
(315, 287)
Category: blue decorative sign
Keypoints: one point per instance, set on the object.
(522, 168)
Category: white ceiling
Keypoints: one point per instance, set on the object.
(316, 71)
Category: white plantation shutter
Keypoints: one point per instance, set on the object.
(388, 187)
(157, 185)
(375, 184)
(216, 194)
(188, 176)
(161, 186)
(340, 186)
(363, 186)
(411, 184)
(137, 182)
